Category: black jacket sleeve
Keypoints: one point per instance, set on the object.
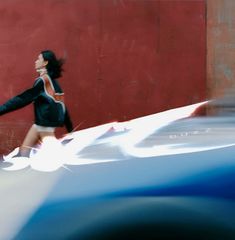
(67, 121)
(23, 99)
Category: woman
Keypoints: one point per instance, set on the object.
(47, 96)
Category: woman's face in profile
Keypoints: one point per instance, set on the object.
(40, 63)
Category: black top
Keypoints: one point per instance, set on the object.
(49, 108)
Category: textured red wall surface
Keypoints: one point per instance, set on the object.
(125, 58)
(221, 46)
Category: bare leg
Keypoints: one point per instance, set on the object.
(31, 138)
(42, 135)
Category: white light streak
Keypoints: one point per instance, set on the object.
(54, 154)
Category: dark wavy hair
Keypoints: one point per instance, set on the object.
(54, 66)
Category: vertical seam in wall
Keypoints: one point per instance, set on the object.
(206, 49)
(99, 78)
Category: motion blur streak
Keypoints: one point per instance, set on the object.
(21, 194)
(132, 133)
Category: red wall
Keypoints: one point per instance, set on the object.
(220, 47)
(125, 58)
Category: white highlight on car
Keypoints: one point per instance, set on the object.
(54, 154)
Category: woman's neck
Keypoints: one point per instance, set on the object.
(42, 71)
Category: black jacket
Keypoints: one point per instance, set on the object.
(49, 108)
